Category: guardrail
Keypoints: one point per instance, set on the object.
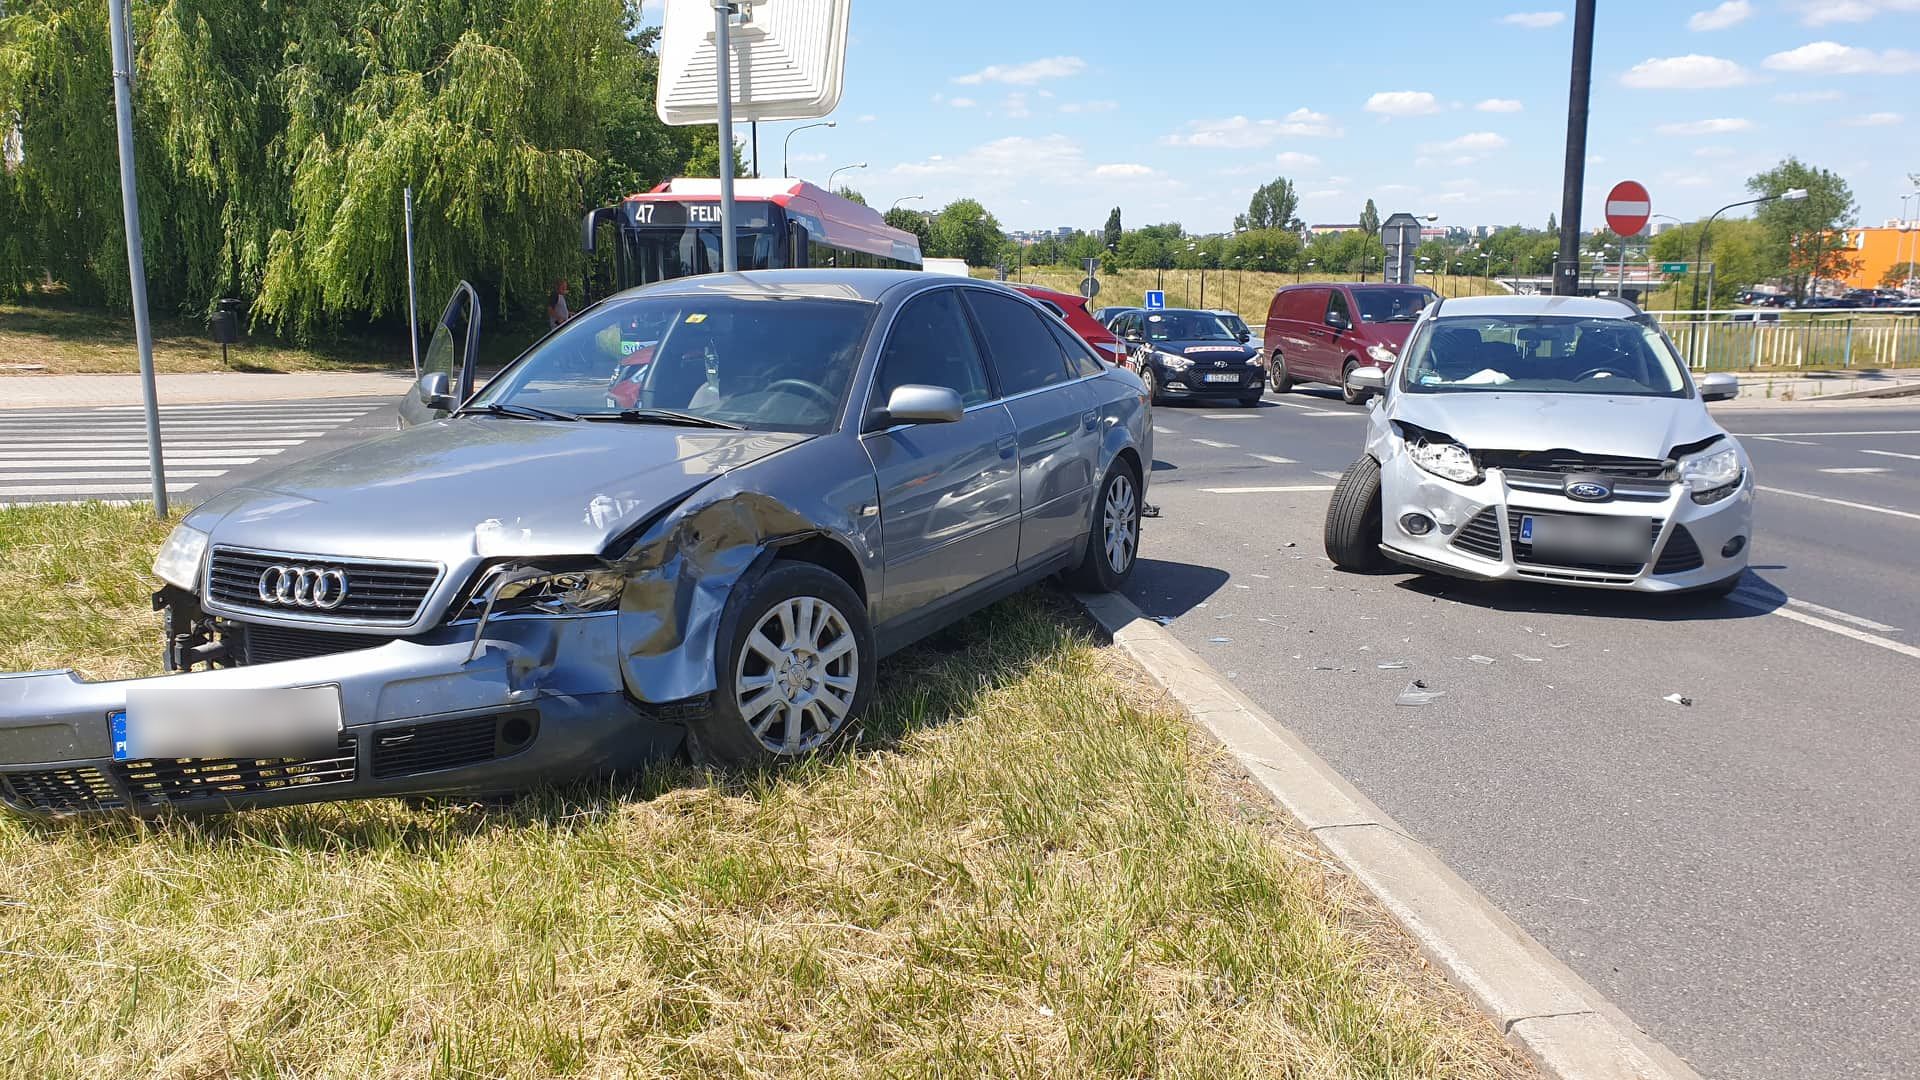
(1765, 338)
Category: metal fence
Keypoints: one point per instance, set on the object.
(1765, 339)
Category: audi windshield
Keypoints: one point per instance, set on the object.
(1544, 354)
(720, 361)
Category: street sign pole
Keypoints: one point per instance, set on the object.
(413, 317)
(136, 252)
(1566, 277)
(723, 55)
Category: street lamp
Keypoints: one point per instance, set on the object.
(787, 143)
(1700, 249)
(1296, 270)
(904, 198)
(841, 169)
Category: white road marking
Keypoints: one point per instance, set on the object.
(1267, 490)
(89, 474)
(1227, 416)
(1158, 430)
(1857, 620)
(169, 444)
(1297, 405)
(283, 428)
(1274, 459)
(1328, 473)
(1330, 412)
(1815, 434)
(1861, 471)
(1217, 445)
(1772, 605)
(1893, 453)
(242, 406)
(40, 461)
(1776, 438)
(85, 489)
(1841, 502)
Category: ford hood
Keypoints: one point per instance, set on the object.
(1642, 427)
(478, 486)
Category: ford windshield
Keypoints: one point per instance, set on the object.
(1543, 354)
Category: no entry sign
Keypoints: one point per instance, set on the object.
(1628, 206)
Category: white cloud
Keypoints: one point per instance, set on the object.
(1122, 169)
(1293, 159)
(1495, 104)
(1833, 58)
(1088, 106)
(1822, 12)
(1718, 126)
(1240, 133)
(1689, 72)
(1678, 179)
(1714, 152)
(1033, 71)
(1731, 13)
(1879, 119)
(1015, 107)
(1473, 143)
(1808, 97)
(1402, 103)
(1534, 20)
(809, 159)
(958, 103)
(866, 118)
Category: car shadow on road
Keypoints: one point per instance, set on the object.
(1757, 597)
(1177, 587)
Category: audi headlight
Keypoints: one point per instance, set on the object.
(1174, 363)
(1444, 459)
(545, 590)
(178, 562)
(1381, 355)
(1712, 474)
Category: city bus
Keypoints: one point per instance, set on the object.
(674, 230)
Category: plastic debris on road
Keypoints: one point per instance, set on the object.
(1148, 510)
(1678, 699)
(1523, 657)
(1417, 693)
(1219, 641)
(1478, 659)
(1394, 665)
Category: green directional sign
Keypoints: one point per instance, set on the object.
(1673, 268)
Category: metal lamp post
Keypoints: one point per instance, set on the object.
(841, 169)
(1700, 250)
(787, 143)
(904, 198)
(122, 49)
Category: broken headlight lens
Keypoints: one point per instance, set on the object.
(1713, 474)
(178, 562)
(546, 591)
(1450, 461)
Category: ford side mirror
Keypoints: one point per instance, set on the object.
(1719, 386)
(1367, 380)
(432, 391)
(919, 404)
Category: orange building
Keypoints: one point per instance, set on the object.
(1879, 249)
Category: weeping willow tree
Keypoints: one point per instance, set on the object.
(276, 136)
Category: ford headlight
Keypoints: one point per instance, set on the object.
(1381, 355)
(1174, 363)
(178, 562)
(1444, 459)
(1712, 474)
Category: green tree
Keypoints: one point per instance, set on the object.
(1736, 248)
(965, 230)
(1266, 249)
(1804, 238)
(851, 195)
(1111, 235)
(1272, 207)
(1370, 219)
(911, 221)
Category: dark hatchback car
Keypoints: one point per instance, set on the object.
(1188, 353)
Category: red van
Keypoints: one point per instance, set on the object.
(1072, 308)
(1318, 333)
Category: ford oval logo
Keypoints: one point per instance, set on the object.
(1588, 491)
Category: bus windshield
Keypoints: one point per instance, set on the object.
(659, 254)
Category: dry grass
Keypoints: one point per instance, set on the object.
(1030, 868)
(77, 341)
(77, 589)
(1246, 292)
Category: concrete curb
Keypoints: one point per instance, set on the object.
(1566, 1026)
(1899, 390)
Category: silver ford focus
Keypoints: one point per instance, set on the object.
(1547, 439)
(698, 513)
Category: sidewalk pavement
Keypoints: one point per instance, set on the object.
(196, 388)
(1802, 387)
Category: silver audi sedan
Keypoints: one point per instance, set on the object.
(699, 513)
(1546, 439)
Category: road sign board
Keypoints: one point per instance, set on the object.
(1673, 268)
(1156, 300)
(789, 60)
(1628, 207)
(1090, 287)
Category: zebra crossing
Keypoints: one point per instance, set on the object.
(100, 452)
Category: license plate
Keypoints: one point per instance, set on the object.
(192, 722)
(1223, 377)
(1619, 541)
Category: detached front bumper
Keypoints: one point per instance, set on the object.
(541, 700)
(1478, 533)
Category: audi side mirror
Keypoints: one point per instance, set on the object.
(432, 391)
(919, 404)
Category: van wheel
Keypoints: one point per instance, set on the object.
(1347, 393)
(1277, 376)
(794, 671)
(1353, 519)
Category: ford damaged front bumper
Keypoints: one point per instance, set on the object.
(1478, 530)
(540, 699)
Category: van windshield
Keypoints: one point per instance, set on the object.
(1539, 354)
(1391, 305)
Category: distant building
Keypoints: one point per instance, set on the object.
(1331, 230)
(1433, 232)
(1878, 249)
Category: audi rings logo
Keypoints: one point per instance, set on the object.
(303, 586)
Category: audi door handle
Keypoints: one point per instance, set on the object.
(1091, 418)
(1009, 446)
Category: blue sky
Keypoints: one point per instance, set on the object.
(1052, 111)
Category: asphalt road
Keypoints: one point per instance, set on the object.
(1741, 875)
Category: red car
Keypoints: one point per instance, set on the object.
(1319, 333)
(1072, 308)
